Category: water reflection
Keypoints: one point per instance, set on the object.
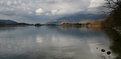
(53, 43)
(115, 38)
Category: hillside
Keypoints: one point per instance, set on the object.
(11, 23)
(96, 24)
(7, 21)
(78, 17)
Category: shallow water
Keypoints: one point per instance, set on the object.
(53, 43)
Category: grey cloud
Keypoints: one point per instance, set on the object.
(25, 9)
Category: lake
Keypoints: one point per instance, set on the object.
(54, 42)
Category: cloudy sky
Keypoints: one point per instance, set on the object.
(42, 11)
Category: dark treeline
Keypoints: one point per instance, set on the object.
(114, 19)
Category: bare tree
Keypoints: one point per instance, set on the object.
(113, 4)
(114, 19)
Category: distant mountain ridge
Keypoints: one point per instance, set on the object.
(78, 17)
(12, 23)
(7, 21)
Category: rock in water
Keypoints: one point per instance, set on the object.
(102, 50)
(108, 53)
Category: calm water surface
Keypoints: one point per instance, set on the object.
(53, 43)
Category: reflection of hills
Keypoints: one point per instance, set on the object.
(9, 28)
(78, 32)
(71, 31)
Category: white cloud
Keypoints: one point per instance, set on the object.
(96, 3)
(15, 2)
(54, 11)
(9, 3)
(48, 14)
(39, 11)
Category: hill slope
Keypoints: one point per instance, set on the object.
(7, 21)
(78, 17)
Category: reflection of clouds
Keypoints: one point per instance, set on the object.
(64, 40)
(39, 39)
(69, 47)
(29, 42)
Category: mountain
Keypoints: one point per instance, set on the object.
(12, 23)
(7, 21)
(78, 17)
